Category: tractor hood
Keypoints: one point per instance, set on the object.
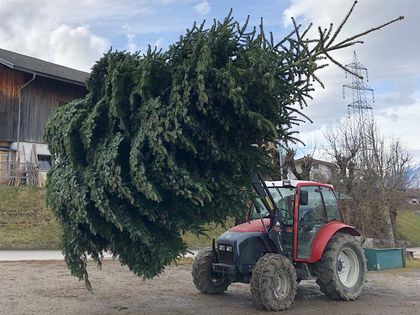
(251, 226)
(243, 245)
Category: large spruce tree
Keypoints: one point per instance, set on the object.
(167, 141)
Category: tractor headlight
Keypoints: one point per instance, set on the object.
(222, 247)
(229, 248)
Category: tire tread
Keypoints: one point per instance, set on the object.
(261, 282)
(327, 279)
(201, 274)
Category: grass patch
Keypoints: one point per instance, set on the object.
(185, 261)
(410, 265)
(408, 227)
(25, 221)
(213, 231)
(413, 263)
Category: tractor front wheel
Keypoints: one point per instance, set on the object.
(342, 269)
(204, 279)
(273, 283)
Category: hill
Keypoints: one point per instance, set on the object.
(25, 222)
(414, 176)
(408, 227)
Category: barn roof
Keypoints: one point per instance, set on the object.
(43, 68)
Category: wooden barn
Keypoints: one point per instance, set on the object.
(30, 89)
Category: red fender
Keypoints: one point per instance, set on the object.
(325, 235)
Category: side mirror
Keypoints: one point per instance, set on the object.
(303, 198)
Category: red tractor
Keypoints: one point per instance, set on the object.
(297, 233)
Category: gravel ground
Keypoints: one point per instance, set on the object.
(45, 287)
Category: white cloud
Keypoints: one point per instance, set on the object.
(76, 46)
(402, 122)
(158, 43)
(61, 31)
(41, 30)
(131, 45)
(203, 7)
(391, 55)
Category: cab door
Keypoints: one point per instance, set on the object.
(312, 217)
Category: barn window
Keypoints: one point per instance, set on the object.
(44, 162)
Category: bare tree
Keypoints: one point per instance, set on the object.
(305, 168)
(372, 171)
(344, 143)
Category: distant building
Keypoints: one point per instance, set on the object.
(412, 196)
(30, 89)
(320, 170)
(413, 201)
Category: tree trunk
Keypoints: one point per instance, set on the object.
(387, 209)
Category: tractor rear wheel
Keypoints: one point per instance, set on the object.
(204, 279)
(342, 269)
(273, 283)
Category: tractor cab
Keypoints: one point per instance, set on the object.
(300, 208)
(295, 231)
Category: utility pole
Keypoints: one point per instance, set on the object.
(361, 110)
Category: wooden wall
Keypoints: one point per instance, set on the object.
(39, 98)
(10, 81)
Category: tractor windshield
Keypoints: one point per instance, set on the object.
(284, 199)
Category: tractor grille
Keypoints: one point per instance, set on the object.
(226, 258)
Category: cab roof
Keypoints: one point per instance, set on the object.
(295, 183)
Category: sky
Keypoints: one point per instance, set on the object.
(76, 33)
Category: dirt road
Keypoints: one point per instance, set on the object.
(45, 287)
